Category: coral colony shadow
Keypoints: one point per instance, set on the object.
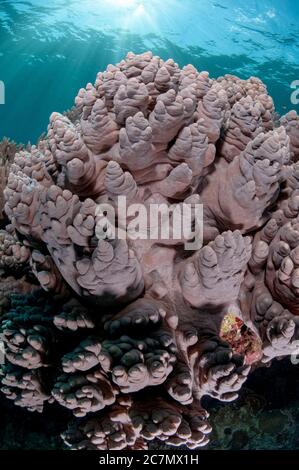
(131, 334)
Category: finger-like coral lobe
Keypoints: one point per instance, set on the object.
(130, 333)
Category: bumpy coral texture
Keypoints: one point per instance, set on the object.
(8, 150)
(127, 335)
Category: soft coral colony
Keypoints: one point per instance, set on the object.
(130, 335)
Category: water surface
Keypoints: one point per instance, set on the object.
(48, 50)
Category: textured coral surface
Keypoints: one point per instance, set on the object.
(128, 334)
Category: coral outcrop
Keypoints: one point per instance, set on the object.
(130, 333)
(8, 150)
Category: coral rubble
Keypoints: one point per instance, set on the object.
(131, 334)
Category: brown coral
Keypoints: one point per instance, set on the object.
(145, 312)
(8, 150)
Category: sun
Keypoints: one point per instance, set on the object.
(125, 3)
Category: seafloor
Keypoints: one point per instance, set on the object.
(265, 416)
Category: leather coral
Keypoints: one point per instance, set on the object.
(133, 339)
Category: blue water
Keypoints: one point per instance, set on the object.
(50, 49)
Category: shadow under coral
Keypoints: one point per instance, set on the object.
(265, 416)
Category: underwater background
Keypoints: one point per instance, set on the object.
(48, 50)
